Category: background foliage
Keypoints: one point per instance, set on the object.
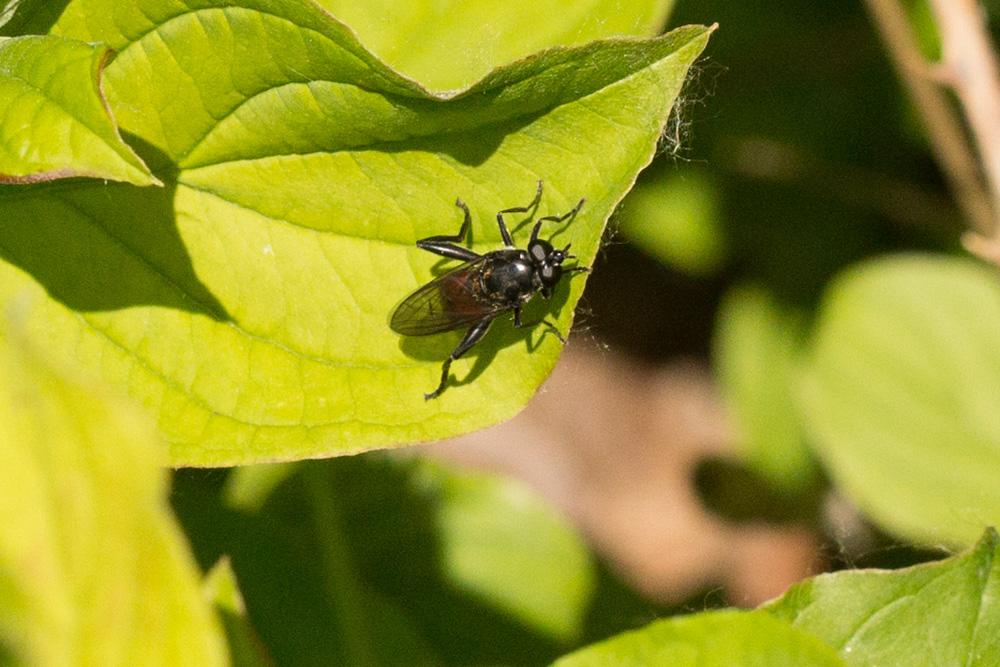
(208, 211)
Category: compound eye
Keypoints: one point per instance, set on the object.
(537, 252)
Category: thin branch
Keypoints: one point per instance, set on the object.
(970, 63)
(941, 120)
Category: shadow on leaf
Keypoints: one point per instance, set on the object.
(97, 246)
(34, 17)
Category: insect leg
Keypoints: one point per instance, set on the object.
(504, 234)
(473, 336)
(444, 245)
(556, 218)
(518, 324)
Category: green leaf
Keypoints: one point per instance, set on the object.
(491, 531)
(54, 122)
(247, 302)
(406, 560)
(944, 613)
(222, 591)
(675, 218)
(421, 38)
(757, 349)
(249, 487)
(900, 394)
(504, 544)
(93, 569)
(722, 638)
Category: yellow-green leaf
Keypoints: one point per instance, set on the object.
(246, 303)
(223, 592)
(423, 38)
(54, 122)
(93, 568)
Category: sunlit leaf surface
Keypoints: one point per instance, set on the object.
(246, 303)
(53, 119)
(93, 568)
(447, 44)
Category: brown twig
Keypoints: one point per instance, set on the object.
(942, 122)
(970, 64)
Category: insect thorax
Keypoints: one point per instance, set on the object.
(509, 276)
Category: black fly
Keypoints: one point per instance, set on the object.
(485, 286)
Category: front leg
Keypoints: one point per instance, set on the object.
(444, 245)
(556, 218)
(504, 232)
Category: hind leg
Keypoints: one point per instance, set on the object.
(473, 336)
(445, 245)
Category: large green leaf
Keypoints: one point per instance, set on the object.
(945, 613)
(901, 394)
(421, 38)
(54, 122)
(247, 302)
(93, 569)
(722, 638)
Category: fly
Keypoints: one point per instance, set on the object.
(485, 286)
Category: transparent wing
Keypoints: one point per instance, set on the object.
(448, 302)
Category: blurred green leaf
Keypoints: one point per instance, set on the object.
(421, 38)
(93, 569)
(223, 592)
(400, 562)
(900, 394)
(676, 219)
(249, 487)
(54, 122)
(722, 638)
(507, 546)
(944, 613)
(247, 302)
(757, 349)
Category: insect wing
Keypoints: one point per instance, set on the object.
(447, 302)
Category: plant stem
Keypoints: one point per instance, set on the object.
(941, 120)
(971, 66)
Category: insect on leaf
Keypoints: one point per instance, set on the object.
(246, 303)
